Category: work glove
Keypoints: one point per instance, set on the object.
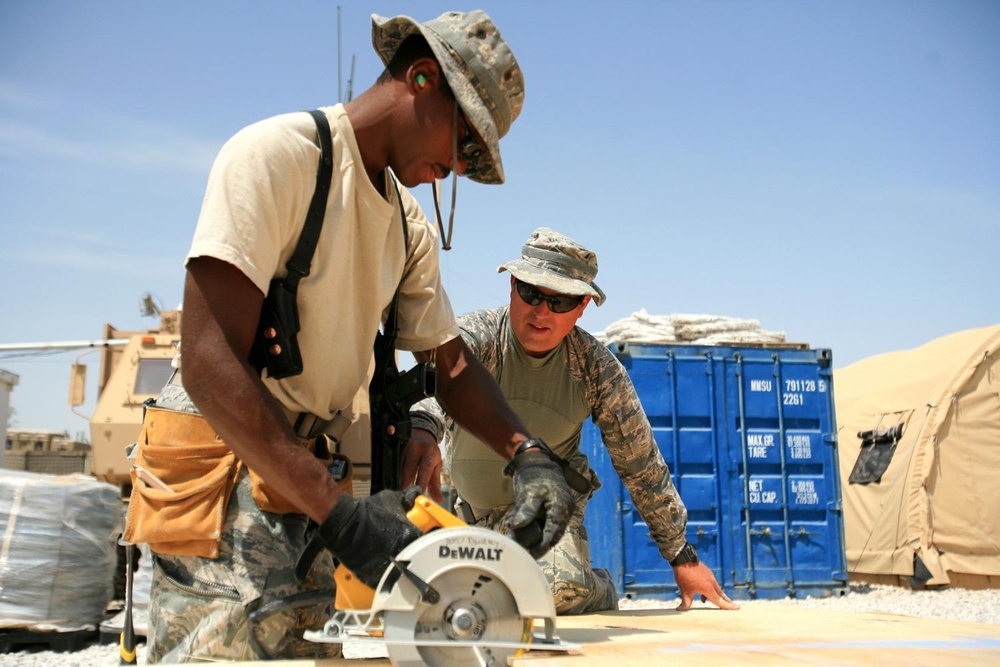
(541, 495)
(364, 534)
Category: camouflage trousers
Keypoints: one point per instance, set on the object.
(204, 609)
(576, 587)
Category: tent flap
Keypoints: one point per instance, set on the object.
(877, 448)
(927, 497)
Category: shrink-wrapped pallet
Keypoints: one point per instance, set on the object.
(58, 552)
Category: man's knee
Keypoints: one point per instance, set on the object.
(191, 621)
(597, 594)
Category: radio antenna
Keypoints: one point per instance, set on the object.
(339, 88)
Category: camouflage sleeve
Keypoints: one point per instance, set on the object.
(428, 415)
(628, 436)
(483, 331)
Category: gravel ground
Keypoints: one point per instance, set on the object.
(950, 604)
(953, 604)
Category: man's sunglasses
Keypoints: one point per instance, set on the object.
(470, 150)
(557, 303)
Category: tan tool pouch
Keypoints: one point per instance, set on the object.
(182, 480)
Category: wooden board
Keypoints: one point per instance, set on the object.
(770, 635)
(754, 635)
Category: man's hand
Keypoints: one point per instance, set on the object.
(697, 579)
(422, 464)
(540, 494)
(366, 533)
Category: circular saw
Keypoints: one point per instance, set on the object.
(457, 596)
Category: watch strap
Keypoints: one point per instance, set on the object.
(687, 554)
(574, 479)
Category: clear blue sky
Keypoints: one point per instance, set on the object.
(830, 169)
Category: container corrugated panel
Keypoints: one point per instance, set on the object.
(749, 434)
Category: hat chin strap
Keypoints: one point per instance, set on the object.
(446, 238)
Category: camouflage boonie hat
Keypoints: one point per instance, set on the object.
(556, 262)
(480, 69)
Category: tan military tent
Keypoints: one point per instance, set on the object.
(919, 440)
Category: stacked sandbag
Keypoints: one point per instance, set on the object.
(641, 327)
(688, 329)
(58, 551)
(722, 330)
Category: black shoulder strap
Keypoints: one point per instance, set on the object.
(391, 327)
(298, 263)
(390, 425)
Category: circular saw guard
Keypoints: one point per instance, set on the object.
(462, 596)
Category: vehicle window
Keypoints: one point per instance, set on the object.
(152, 376)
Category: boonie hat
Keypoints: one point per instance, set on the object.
(556, 262)
(479, 67)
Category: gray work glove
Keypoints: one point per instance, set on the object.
(364, 534)
(541, 495)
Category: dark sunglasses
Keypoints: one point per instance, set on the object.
(470, 150)
(557, 303)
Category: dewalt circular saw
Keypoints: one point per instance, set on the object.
(458, 595)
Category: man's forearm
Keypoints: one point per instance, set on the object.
(470, 396)
(217, 331)
(252, 424)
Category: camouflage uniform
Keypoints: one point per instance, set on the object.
(617, 412)
(576, 587)
(200, 608)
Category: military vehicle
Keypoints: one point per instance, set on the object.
(129, 373)
(134, 367)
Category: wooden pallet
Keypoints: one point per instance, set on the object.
(15, 641)
(111, 629)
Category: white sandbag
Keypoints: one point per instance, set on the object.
(693, 330)
(689, 329)
(641, 327)
(742, 337)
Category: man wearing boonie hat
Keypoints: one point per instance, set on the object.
(555, 375)
(451, 89)
(480, 72)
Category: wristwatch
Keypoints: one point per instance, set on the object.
(687, 554)
(530, 443)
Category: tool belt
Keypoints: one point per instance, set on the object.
(183, 477)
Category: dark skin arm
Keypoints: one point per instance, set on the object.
(221, 310)
(422, 464)
(472, 398)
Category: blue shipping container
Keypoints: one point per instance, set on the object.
(749, 434)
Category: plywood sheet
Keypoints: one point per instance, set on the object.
(754, 635)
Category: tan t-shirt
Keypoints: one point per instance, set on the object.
(544, 394)
(255, 206)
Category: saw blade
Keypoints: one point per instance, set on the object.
(473, 607)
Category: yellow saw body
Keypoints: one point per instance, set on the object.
(459, 595)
